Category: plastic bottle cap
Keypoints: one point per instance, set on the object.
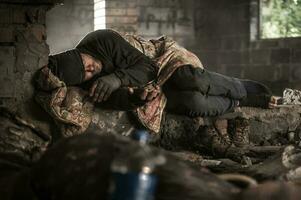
(140, 135)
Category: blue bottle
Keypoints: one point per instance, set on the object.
(132, 171)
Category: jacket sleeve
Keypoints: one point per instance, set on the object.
(121, 99)
(132, 66)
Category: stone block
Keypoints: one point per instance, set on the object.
(210, 43)
(296, 55)
(260, 56)
(295, 73)
(209, 58)
(282, 73)
(269, 44)
(264, 73)
(254, 44)
(290, 42)
(234, 57)
(233, 28)
(231, 43)
(280, 56)
(7, 78)
(234, 70)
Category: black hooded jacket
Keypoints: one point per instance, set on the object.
(119, 57)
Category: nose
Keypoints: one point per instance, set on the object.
(90, 68)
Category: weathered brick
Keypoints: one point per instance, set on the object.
(280, 56)
(5, 16)
(123, 28)
(39, 32)
(85, 2)
(132, 11)
(112, 11)
(7, 60)
(121, 20)
(120, 4)
(35, 15)
(6, 34)
(19, 15)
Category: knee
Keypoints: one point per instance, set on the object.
(197, 105)
(187, 77)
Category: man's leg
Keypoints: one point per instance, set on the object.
(195, 104)
(207, 82)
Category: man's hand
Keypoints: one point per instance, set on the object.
(147, 94)
(103, 87)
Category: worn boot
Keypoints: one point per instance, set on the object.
(221, 141)
(240, 129)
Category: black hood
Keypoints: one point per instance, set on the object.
(68, 66)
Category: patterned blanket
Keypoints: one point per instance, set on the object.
(73, 112)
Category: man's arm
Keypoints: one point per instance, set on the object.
(130, 66)
(140, 69)
(123, 99)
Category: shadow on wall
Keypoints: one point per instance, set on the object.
(68, 23)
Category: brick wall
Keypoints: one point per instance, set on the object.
(23, 50)
(223, 43)
(219, 32)
(152, 18)
(122, 15)
(68, 23)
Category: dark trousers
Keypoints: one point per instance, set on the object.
(199, 92)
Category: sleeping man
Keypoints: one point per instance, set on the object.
(127, 72)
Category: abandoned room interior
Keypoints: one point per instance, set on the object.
(150, 99)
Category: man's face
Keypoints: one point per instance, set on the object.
(91, 65)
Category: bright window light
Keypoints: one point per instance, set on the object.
(99, 14)
(280, 18)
